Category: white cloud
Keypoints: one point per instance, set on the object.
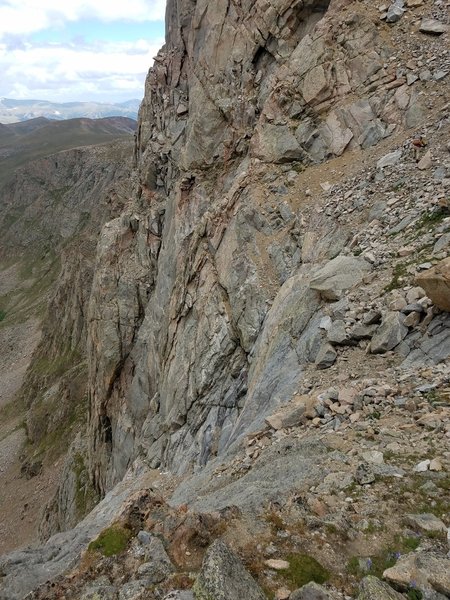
(22, 17)
(108, 71)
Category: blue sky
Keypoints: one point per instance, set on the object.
(78, 50)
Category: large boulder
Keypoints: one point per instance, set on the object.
(389, 334)
(311, 591)
(223, 577)
(436, 283)
(426, 523)
(338, 275)
(293, 413)
(428, 571)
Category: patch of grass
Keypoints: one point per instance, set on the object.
(433, 396)
(2, 315)
(353, 566)
(375, 415)
(111, 541)
(303, 568)
(29, 297)
(12, 410)
(436, 535)
(410, 543)
(399, 272)
(331, 528)
(373, 527)
(429, 219)
(57, 194)
(389, 455)
(444, 483)
(55, 367)
(385, 559)
(49, 435)
(414, 594)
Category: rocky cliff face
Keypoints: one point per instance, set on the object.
(202, 315)
(255, 329)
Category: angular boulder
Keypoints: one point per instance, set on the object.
(389, 334)
(293, 413)
(427, 570)
(433, 27)
(326, 357)
(338, 275)
(426, 522)
(436, 283)
(372, 588)
(224, 577)
(311, 591)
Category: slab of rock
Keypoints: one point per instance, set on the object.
(425, 162)
(436, 283)
(373, 456)
(292, 414)
(132, 590)
(389, 160)
(337, 333)
(338, 275)
(442, 243)
(326, 357)
(435, 465)
(389, 334)
(372, 588)
(311, 591)
(224, 577)
(423, 466)
(361, 332)
(277, 564)
(372, 317)
(433, 26)
(412, 320)
(426, 522)
(99, 588)
(427, 570)
(394, 13)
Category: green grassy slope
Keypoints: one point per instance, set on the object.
(37, 138)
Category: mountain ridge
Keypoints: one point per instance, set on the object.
(28, 140)
(12, 110)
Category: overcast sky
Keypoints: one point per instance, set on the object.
(78, 50)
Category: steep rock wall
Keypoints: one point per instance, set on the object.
(185, 352)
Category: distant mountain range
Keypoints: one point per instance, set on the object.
(28, 140)
(12, 111)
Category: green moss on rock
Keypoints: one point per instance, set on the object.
(111, 541)
(304, 568)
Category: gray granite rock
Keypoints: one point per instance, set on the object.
(326, 356)
(389, 334)
(339, 275)
(372, 588)
(223, 577)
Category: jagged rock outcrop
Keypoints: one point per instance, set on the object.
(202, 313)
(223, 576)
